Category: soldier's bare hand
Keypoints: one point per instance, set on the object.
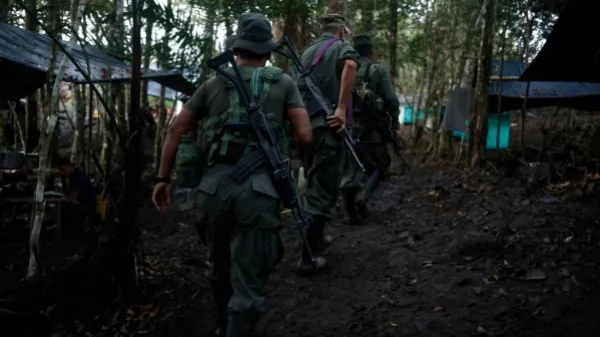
(161, 196)
(338, 120)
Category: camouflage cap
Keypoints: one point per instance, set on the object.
(362, 40)
(230, 41)
(334, 20)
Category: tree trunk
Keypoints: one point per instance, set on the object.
(31, 116)
(483, 83)
(162, 110)
(393, 38)
(146, 61)
(44, 159)
(77, 152)
(526, 50)
(126, 235)
(4, 10)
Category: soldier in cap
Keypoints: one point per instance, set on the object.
(335, 71)
(243, 217)
(376, 122)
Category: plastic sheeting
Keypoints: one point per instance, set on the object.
(578, 95)
(26, 58)
(572, 51)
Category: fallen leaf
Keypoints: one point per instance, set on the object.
(404, 234)
(495, 277)
(503, 292)
(546, 240)
(438, 308)
(526, 202)
(564, 272)
(481, 330)
(574, 280)
(567, 240)
(467, 258)
(394, 324)
(428, 265)
(535, 274)
(539, 310)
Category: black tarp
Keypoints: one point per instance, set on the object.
(25, 58)
(577, 95)
(572, 51)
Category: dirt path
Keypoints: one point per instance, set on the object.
(444, 254)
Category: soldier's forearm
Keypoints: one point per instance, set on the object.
(347, 83)
(169, 150)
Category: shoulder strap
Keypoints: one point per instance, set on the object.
(368, 73)
(322, 51)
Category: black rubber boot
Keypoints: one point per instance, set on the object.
(241, 324)
(361, 208)
(222, 293)
(317, 243)
(349, 198)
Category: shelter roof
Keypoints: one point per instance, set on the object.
(27, 57)
(572, 51)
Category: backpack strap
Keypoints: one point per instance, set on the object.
(260, 85)
(368, 73)
(320, 53)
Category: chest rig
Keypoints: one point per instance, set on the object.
(229, 134)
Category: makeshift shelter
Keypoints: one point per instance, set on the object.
(568, 55)
(507, 93)
(25, 58)
(576, 95)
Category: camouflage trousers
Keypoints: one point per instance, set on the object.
(323, 162)
(244, 244)
(374, 156)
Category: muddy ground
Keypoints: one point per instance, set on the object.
(445, 253)
(507, 250)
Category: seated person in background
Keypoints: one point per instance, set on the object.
(79, 191)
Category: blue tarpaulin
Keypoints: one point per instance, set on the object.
(578, 95)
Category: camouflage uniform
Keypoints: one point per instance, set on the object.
(373, 83)
(323, 159)
(244, 218)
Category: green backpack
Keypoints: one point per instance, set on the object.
(189, 163)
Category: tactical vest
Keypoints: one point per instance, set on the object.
(230, 134)
(189, 163)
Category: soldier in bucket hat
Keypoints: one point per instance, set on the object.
(244, 218)
(335, 65)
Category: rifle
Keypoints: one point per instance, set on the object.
(314, 89)
(268, 151)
